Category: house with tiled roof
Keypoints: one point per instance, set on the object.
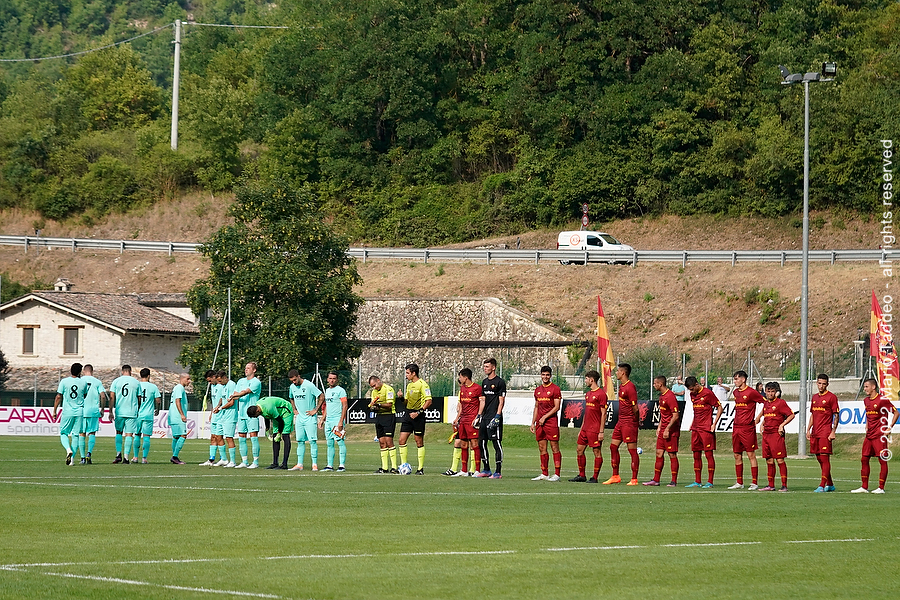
(48, 329)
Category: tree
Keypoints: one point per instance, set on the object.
(291, 281)
(4, 370)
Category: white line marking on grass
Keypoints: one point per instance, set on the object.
(304, 556)
(179, 588)
(828, 541)
(709, 544)
(461, 552)
(576, 548)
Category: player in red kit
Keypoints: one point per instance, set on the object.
(775, 415)
(545, 424)
(666, 433)
(703, 429)
(470, 403)
(592, 425)
(743, 435)
(822, 428)
(626, 429)
(879, 422)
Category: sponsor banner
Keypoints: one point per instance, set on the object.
(358, 412)
(24, 420)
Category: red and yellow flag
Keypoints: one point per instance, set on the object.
(604, 350)
(881, 346)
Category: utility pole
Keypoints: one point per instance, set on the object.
(176, 77)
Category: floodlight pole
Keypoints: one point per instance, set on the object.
(176, 78)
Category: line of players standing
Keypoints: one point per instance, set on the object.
(133, 404)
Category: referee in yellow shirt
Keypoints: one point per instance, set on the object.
(418, 399)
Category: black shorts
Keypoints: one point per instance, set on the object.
(486, 433)
(385, 424)
(415, 426)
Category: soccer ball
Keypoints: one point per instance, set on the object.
(405, 469)
(640, 450)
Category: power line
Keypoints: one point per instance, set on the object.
(158, 29)
(236, 26)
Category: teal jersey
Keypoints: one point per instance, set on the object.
(92, 399)
(333, 404)
(149, 394)
(304, 396)
(215, 393)
(272, 407)
(127, 390)
(179, 396)
(227, 391)
(72, 390)
(247, 400)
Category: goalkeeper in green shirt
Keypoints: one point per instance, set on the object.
(280, 413)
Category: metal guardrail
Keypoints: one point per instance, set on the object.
(491, 255)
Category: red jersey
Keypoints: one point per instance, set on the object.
(594, 403)
(627, 401)
(823, 408)
(704, 402)
(775, 413)
(745, 402)
(668, 406)
(878, 417)
(545, 396)
(469, 397)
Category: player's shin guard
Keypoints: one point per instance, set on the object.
(614, 459)
(711, 464)
(864, 473)
(484, 464)
(118, 444)
(330, 451)
(276, 452)
(739, 473)
(385, 458)
(754, 473)
(545, 462)
(81, 445)
(498, 455)
(698, 466)
(770, 473)
(826, 469)
(392, 453)
(126, 446)
(91, 440)
(635, 462)
(557, 461)
(232, 455)
(582, 464)
(475, 458)
(212, 452)
(64, 440)
(242, 444)
(457, 455)
(222, 454)
(882, 474)
(254, 444)
(145, 446)
(179, 445)
(657, 468)
(404, 453)
(421, 456)
(286, 439)
(782, 470)
(673, 463)
(342, 451)
(314, 451)
(598, 464)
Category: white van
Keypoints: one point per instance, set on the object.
(590, 240)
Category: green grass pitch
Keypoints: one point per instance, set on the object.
(167, 531)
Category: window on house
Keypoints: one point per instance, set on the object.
(28, 340)
(70, 340)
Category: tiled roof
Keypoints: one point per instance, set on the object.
(162, 299)
(124, 311)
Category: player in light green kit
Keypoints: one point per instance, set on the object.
(281, 414)
(149, 408)
(307, 400)
(71, 393)
(227, 412)
(124, 396)
(178, 417)
(418, 399)
(216, 440)
(334, 417)
(90, 423)
(247, 392)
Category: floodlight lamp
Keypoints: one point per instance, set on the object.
(829, 69)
